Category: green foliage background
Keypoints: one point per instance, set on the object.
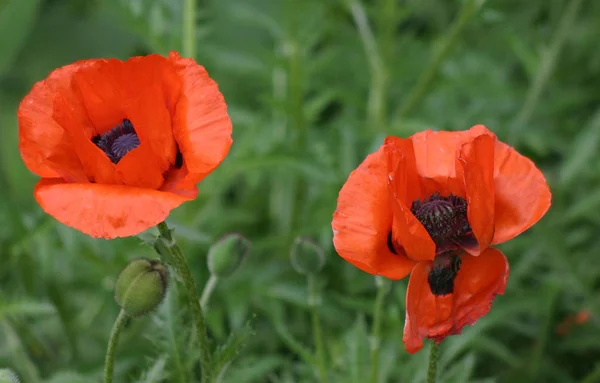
(312, 87)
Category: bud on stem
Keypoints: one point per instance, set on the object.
(306, 256)
(226, 255)
(141, 286)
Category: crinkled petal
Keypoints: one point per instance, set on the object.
(522, 193)
(201, 125)
(363, 220)
(45, 146)
(144, 90)
(477, 160)
(477, 283)
(105, 211)
(436, 153)
(405, 187)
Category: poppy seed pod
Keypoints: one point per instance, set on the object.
(226, 255)
(307, 257)
(141, 286)
(7, 376)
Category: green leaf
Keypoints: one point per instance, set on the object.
(157, 373)
(18, 308)
(228, 351)
(255, 370)
(584, 149)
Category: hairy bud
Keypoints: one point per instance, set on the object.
(141, 286)
(307, 257)
(226, 255)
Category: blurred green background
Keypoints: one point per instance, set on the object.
(312, 87)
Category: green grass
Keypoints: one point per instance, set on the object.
(312, 87)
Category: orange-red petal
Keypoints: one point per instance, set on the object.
(522, 193)
(68, 113)
(436, 153)
(45, 146)
(201, 125)
(477, 161)
(104, 211)
(478, 282)
(145, 91)
(405, 187)
(363, 220)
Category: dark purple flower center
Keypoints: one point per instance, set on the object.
(118, 141)
(445, 219)
(443, 272)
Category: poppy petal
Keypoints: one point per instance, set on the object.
(201, 125)
(67, 113)
(522, 193)
(363, 220)
(45, 146)
(145, 91)
(105, 211)
(477, 160)
(404, 184)
(436, 153)
(477, 283)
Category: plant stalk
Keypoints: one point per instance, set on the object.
(189, 29)
(376, 332)
(208, 290)
(316, 327)
(434, 352)
(109, 363)
(179, 263)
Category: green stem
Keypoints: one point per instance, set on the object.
(109, 363)
(189, 28)
(376, 106)
(316, 327)
(376, 333)
(547, 63)
(424, 82)
(433, 359)
(167, 244)
(208, 290)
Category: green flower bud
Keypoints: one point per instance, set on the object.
(7, 376)
(226, 255)
(307, 256)
(141, 286)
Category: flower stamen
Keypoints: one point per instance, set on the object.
(118, 141)
(445, 219)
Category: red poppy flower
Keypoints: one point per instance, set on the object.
(119, 144)
(431, 205)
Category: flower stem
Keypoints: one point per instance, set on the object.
(434, 352)
(316, 327)
(207, 292)
(189, 29)
(376, 105)
(179, 263)
(109, 363)
(424, 82)
(376, 333)
(547, 61)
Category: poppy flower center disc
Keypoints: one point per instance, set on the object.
(118, 141)
(444, 218)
